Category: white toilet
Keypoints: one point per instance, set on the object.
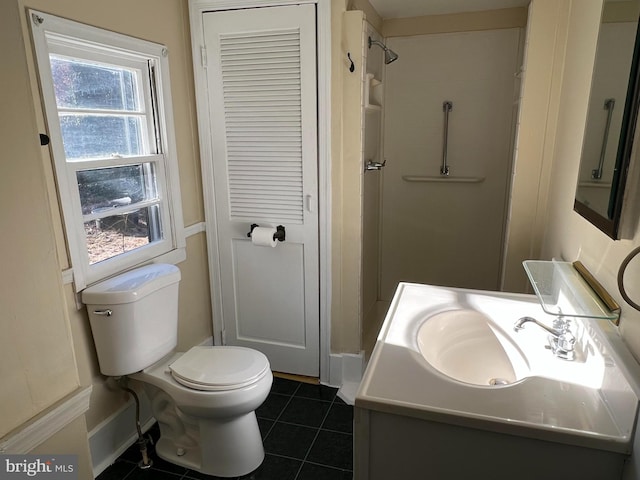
(204, 399)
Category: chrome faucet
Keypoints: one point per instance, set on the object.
(561, 340)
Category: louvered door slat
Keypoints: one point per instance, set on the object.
(262, 107)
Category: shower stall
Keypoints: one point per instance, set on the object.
(439, 122)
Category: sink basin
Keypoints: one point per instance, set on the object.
(466, 346)
(452, 355)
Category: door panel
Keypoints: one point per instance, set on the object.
(261, 79)
(269, 280)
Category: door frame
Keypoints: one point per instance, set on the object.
(323, 18)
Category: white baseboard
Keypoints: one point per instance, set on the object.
(345, 372)
(42, 427)
(111, 437)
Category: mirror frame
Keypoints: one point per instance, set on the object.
(611, 223)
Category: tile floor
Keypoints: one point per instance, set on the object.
(307, 433)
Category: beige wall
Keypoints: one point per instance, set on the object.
(37, 364)
(568, 235)
(541, 82)
(370, 13)
(346, 171)
(457, 22)
(44, 334)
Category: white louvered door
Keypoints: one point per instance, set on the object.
(261, 81)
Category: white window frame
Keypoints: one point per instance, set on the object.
(56, 35)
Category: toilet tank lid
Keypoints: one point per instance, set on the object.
(131, 286)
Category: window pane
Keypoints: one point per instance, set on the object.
(117, 234)
(105, 188)
(80, 84)
(99, 136)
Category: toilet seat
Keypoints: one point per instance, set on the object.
(219, 368)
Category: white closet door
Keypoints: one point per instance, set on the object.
(261, 75)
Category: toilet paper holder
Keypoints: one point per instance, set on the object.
(279, 235)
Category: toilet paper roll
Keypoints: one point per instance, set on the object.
(263, 236)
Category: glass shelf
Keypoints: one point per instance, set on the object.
(563, 291)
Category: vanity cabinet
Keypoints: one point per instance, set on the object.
(400, 446)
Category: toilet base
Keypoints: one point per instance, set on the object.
(232, 447)
(211, 432)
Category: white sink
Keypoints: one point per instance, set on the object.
(466, 346)
(452, 355)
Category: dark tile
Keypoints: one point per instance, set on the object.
(333, 449)
(340, 418)
(276, 468)
(154, 432)
(284, 386)
(311, 471)
(132, 454)
(272, 406)
(193, 475)
(317, 392)
(161, 464)
(305, 411)
(152, 474)
(265, 426)
(339, 401)
(117, 471)
(289, 440)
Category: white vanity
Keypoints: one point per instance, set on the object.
(452, 391)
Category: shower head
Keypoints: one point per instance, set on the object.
(389, 55)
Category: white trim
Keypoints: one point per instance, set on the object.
(345, 367)
(196, 10)
(194, 229)
(46, 425)
(324, 181)
(111, 437)
(347, 370)
(67, 276)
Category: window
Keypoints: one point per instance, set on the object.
(108, 108)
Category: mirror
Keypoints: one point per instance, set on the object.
(611, 117)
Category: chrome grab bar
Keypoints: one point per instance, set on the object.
(609, 104)
(447, 179)
(447, 106)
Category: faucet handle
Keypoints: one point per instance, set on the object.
(562, 324)
(566, 341)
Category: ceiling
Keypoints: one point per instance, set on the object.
(417, 8)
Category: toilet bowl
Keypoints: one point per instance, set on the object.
(204, 399)
(212, 430)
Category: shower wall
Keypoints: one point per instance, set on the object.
(448, 231)
(372, 113)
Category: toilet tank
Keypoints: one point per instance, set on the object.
(134, 318)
